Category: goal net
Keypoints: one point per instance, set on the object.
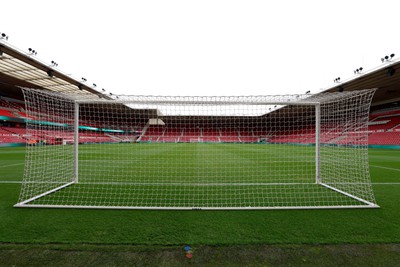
(238, 152)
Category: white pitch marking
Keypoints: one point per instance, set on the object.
(5, 166)
(393, 169)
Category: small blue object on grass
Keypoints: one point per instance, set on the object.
(187, 248)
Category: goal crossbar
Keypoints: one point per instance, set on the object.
(200, 102)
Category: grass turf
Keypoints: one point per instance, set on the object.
(193, 175)
(62, 237)
(174, 228)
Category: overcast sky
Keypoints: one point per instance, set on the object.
(206, 47)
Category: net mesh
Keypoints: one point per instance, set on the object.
(292, 151)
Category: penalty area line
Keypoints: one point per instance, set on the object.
(10, 165)
(387, 168)
(394, 183)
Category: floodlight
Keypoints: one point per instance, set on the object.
(387, 58)
(4, 36)
(359, 70)
(32, 51)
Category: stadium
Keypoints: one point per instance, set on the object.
(166, 158)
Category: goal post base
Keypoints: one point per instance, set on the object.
(268, 188)
(195, 208)
(369, 204)
(25, 203)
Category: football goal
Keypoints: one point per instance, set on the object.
(232, 152)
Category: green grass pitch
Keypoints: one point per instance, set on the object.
(147, 227)
(186, 175)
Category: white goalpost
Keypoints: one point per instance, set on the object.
(231, 152)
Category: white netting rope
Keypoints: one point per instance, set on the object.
(198, 152)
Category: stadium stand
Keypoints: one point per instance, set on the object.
(152, 133)
(229, 135)
(171, 134)
(190, 133)
(385, 138)
(246, 136)
(12, 105)
(7, 113)
(12, 135)
(12, 130)
(384, 127)
(209, 134)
